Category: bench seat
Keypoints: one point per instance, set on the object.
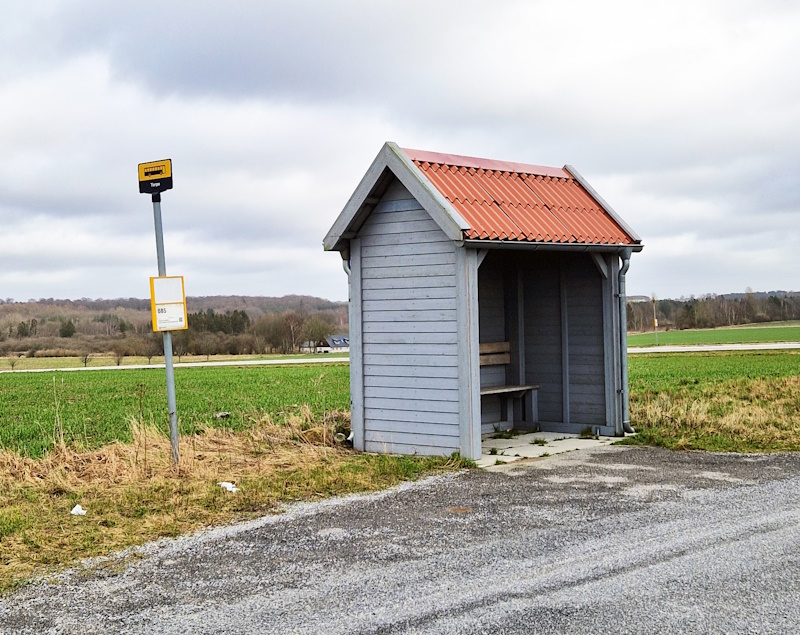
(513, 391)
(499, 354)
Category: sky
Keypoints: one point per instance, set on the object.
(683, 115)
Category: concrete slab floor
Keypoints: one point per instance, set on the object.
(532, 445)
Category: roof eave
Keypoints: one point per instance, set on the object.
(358, 206)
(608, 209)
(531, 245)
(391, 159)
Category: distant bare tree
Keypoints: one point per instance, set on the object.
(206, 343)
(271, 331)
(180, 343)
(154, 346)
(85, 356)
(294, 321)
(316, 329)
(120, 351)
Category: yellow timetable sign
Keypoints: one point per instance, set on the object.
(155, 176)
(168, 303)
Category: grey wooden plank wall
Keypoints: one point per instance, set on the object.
(587, 391)
(544, 338)
(491, 328)
(543, 364)
(410, 340)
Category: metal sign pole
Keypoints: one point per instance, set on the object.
(162, 271)
(655, 319)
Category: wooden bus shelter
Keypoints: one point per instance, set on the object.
(484, 295)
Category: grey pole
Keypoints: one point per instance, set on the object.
(655, 320)
(623, 348)
(162, 271)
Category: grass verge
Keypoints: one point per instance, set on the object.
(740, 402)
(133, 494)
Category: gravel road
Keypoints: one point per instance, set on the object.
(612, 540)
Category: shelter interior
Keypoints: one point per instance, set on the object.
(555, 311)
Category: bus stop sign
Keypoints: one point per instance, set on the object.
(155, 176)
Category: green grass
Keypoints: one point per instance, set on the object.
(658, 372)
(773, 332)
(277, 446)
(95, 408)
(742, 402)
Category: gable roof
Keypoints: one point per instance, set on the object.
(489, 201)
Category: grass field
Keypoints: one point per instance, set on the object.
(99, 439)
(743, 402)
(750, 334)
(97, 407)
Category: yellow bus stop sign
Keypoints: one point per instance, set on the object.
(155, 176)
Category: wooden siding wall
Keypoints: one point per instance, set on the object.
(492, 328)
(409, 330)
(564, 339)
(587, 388)
(543, 362)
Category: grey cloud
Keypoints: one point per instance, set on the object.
(278, 50)
(286, 104)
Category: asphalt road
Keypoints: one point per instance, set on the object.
(613, 540)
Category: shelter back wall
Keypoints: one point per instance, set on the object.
(564, 337)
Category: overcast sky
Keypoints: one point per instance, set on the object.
(684, 115)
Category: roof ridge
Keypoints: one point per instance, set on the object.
(425, 156)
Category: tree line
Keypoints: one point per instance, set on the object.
(713, 311)
(65, 329)
(211, 334)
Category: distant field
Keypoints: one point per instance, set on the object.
(35, 363)
(669, 393)
(750, 334)
(97, 407)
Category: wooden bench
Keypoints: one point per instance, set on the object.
(499, 354)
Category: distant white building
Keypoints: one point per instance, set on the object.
(332, 344)
(338, 344)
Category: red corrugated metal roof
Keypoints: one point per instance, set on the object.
(513, 201)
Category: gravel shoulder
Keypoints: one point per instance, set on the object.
(616, 539)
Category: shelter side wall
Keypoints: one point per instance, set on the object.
(409, 330)
(543, 365)
(587, 386)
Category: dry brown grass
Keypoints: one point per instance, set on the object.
(132, 492)
(262, 449)
(753, 415)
